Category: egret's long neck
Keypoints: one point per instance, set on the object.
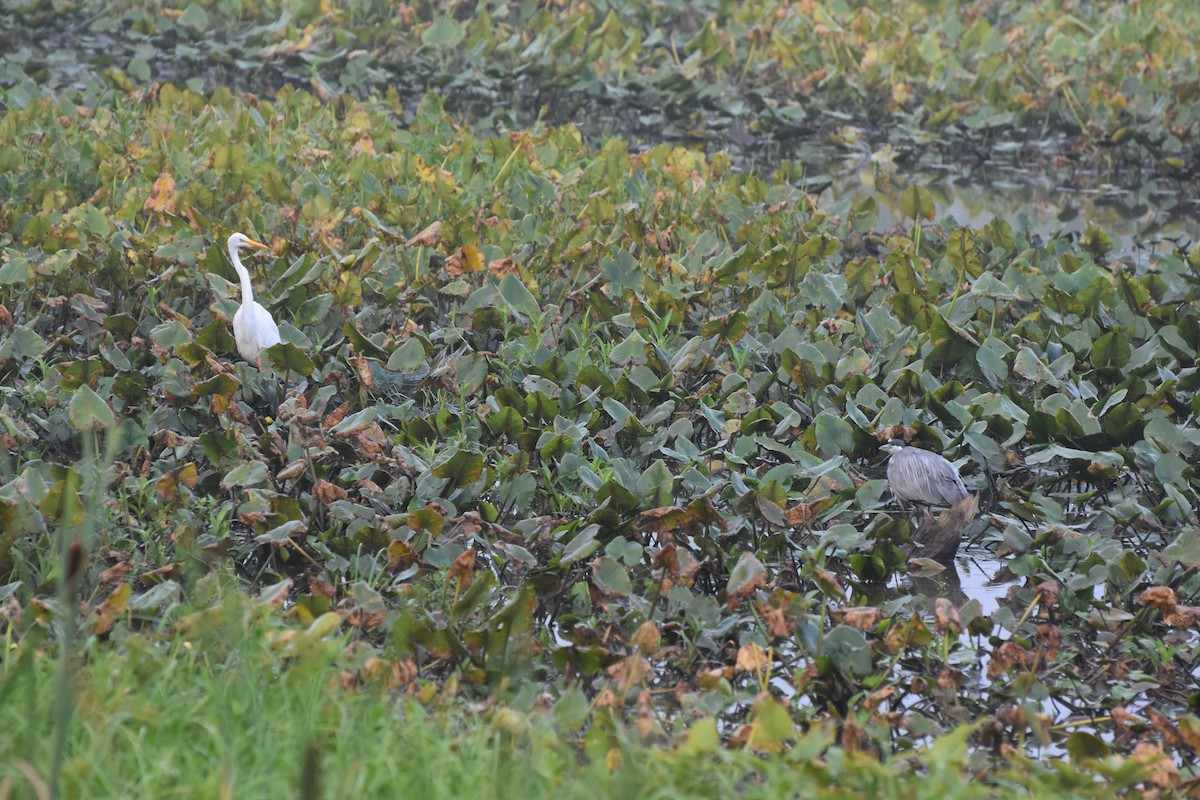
(247, 289)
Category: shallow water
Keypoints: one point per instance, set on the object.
(1143, 219)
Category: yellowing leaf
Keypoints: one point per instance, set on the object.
(162, 195)
(428, 237)
(752, 658)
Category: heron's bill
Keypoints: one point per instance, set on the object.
(260, 245)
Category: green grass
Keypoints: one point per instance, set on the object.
(240, 706)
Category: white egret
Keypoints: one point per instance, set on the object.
(253, 327)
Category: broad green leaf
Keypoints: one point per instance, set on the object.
(169, 334)
(361, 343)
(631, 351)
(289, 359)
(834, 434)
(518, 297)
(245, 475)
(461, 467)
(1112, 350)
(581, 546)
(991, 359)
(88, 411)
(656, 485)
(444, 32)
(281, 532)
(470, 373)
(16, 271)
(408, 357)
(917, 203)
(194, 16)
(611, 577)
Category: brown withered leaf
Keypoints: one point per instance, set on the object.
(326, 492)
(467, 259)
(1011, 716)
(710, 678)
(801, 513)
(105, 615)
(860, 617)
(462, 569)
(1163, 725)
(428, 237)
(504, 266)
(1009, 654)
(116, 573)
(1049, 591)
(336, 416)
(1122, 720)
(319, 587)
(946, 616)
(667, 558)
(740, 738)
(1182, 617)
(167, 572)
(1160, 598)
(162, 195)
(778, 623)
(629, 670)
(646, 638)
(166, 488)
(1161, 770)
(752, 658)
(77, 558)
(949, 679)
(293, 470)
(365, 376)
(1189, 729)
(877, 697)
(828, 584)
(400, 555)
(1052, 636)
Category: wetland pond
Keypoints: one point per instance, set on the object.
(1143, 218)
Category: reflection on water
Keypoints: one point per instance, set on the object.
(1149, 218)
(972, 576)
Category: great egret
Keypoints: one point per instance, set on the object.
(253, 327)
(922, 476)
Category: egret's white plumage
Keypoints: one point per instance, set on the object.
(253, 327)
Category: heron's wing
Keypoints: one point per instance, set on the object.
(950, 487)
(265, 327)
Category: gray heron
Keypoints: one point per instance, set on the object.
(922, 477)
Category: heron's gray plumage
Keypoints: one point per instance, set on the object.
(920, 476)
